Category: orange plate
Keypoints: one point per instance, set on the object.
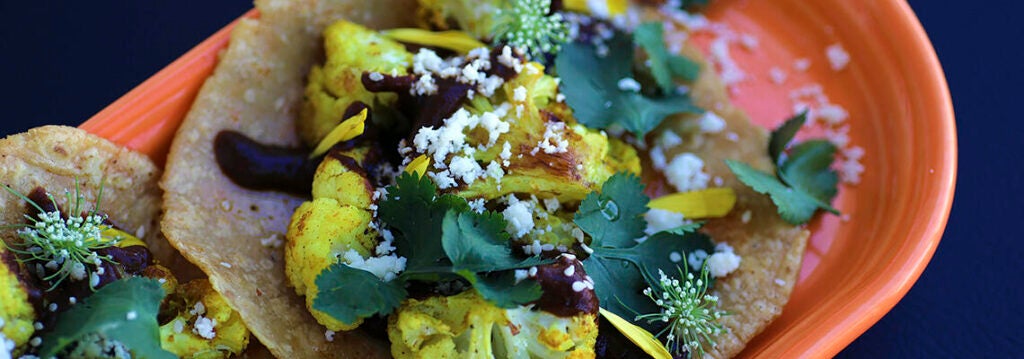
(900, 113)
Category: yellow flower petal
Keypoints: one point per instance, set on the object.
(642, 338)
(127, 240)
(457, 41)
(346, 130)
(418, 165)
(615, 7)
(708, 203)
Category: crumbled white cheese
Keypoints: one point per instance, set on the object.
(273, 241)
(777, 75)
(477, 205)
(553, 141)
(802, 64)
(204, 327)
(710, 122)
(179, 325)
(519, 94)
(686, 173)
(723, 261)
(659, 220)
(675, 257)
(696, 259)
(519, 216)
(629, 84)
(376, 76)
(424, 86)
(669, 139)
(838, 58)
(384, 267)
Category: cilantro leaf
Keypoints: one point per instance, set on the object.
(414, 209)
(478, 242)
(664, 66)
(614, 217)
(691, 227)
(783, 135)
(807, 168)
(621, 274)
(620, 266)
(806, 181)
(795, 206)
(442, 240)
(105, 316)
(337, 284)
(590, 84)
(502, 289)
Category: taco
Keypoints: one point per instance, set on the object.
(84, 270)
(320, 149)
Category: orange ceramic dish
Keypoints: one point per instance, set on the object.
(855, 270)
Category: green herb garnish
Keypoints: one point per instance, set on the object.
(118, 317)
(620, 266)
(691, 313)
(528, 26)
(806, 181)
(66, 247)
(664, 66)
(442, 240)
(591, 85)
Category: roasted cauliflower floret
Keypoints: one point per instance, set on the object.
(334, 179)
(324, 230)
(547, 152)
(204, 326)
(351, 50)
(467, 326)
(16, 312)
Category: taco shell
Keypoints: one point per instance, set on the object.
(235, 235)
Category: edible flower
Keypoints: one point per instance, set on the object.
(642, 338)
(346, 130)
(458, 41)
(707, 203)
(67, 247)
(418, 165)
(691, 313)
(528, 26)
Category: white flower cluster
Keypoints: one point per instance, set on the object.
(691, 313)
(528, 26)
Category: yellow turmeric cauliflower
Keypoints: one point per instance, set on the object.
(351, 50)
(204, 326)
(323, 230)
(16, 312)
(467, 326)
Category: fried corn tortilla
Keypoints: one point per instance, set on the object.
(235, 234)
(57, 158)
(771, 248)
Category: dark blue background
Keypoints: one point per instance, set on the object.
(63, 62)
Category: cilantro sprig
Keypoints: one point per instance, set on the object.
(442, 240)
(590, 84)
(663, 65)
(122, 314)
(806, 182)
(620, 266)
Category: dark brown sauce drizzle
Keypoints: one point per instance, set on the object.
(261, 167)
(559, 298)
